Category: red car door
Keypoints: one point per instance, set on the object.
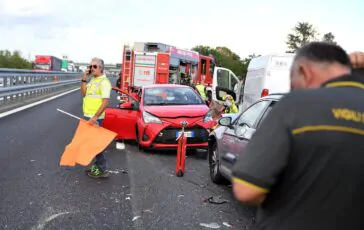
(123, 120)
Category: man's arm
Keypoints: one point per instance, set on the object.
(265, 157)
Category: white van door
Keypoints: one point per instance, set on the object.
(267, 75)
(277, 79)
(225, 82)
(253, 87)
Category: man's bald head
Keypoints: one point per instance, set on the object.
(318, 62)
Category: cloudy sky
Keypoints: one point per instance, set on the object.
(83, 29)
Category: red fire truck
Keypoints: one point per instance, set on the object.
(156, 63)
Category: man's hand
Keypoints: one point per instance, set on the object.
(357, 59)
(83, 85)
(93, 121)
(85, 75)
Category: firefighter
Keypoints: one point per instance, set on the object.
(229, 104)
(303, 166)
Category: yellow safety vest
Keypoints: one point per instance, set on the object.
(201, 90)
(233, 108)
(93, 99)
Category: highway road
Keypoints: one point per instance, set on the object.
(141, 193)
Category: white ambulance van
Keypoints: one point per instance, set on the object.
(266, 75)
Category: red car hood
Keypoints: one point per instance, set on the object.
(177, 111)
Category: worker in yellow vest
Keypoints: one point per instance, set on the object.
(229, 104)
(201, 90)
(96, 95)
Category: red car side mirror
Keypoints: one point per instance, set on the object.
(126, 105)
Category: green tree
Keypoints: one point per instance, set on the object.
(226, 58)
(329, 37)
(203, 50)
(302, 34)
(13, 60)
(247, 60)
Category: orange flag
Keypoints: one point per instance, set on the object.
(88, 141)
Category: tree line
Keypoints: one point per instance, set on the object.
(13, 60)
(300, 35)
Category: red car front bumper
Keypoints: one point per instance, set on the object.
(164, 136)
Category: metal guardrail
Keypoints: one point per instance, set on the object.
(17, 85)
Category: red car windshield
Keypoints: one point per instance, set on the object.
(171, 96)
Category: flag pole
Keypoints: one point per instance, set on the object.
(71, 115)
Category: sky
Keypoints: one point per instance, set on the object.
(84, 29)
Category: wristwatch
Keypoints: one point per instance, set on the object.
(84, 80)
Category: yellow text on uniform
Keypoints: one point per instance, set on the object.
(348, 115)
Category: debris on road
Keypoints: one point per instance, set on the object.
(215, 200)
(147, 211)
(227, 224)
(120, 145)
(210, 225)
(117, 171)
(39, 174)
(181, 196)
(128, 198)
(135, 218)
(196, 183)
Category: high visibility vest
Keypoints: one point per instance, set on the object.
(93, 99)
(232, 109)
(201, 90)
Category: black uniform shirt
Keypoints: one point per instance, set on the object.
(308, 154)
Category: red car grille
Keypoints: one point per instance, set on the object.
(169, 135)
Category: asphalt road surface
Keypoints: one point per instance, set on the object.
(142, 191)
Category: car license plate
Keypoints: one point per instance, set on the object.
(187, 133)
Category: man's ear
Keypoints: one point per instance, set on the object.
(306, 73)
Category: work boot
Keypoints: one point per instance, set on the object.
(93, 167)
(96, 172)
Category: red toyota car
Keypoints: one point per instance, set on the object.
(155, 115)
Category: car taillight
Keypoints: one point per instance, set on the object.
(265, 92)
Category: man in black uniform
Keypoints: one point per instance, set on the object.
(304, 165)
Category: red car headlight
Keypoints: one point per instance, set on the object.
(151, 119)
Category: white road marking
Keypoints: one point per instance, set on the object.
(43, 222)
(71, 115)
(7, 113)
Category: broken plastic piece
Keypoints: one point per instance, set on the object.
(216, 200)
(210, 225)
(120, 145)
(227, 225)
